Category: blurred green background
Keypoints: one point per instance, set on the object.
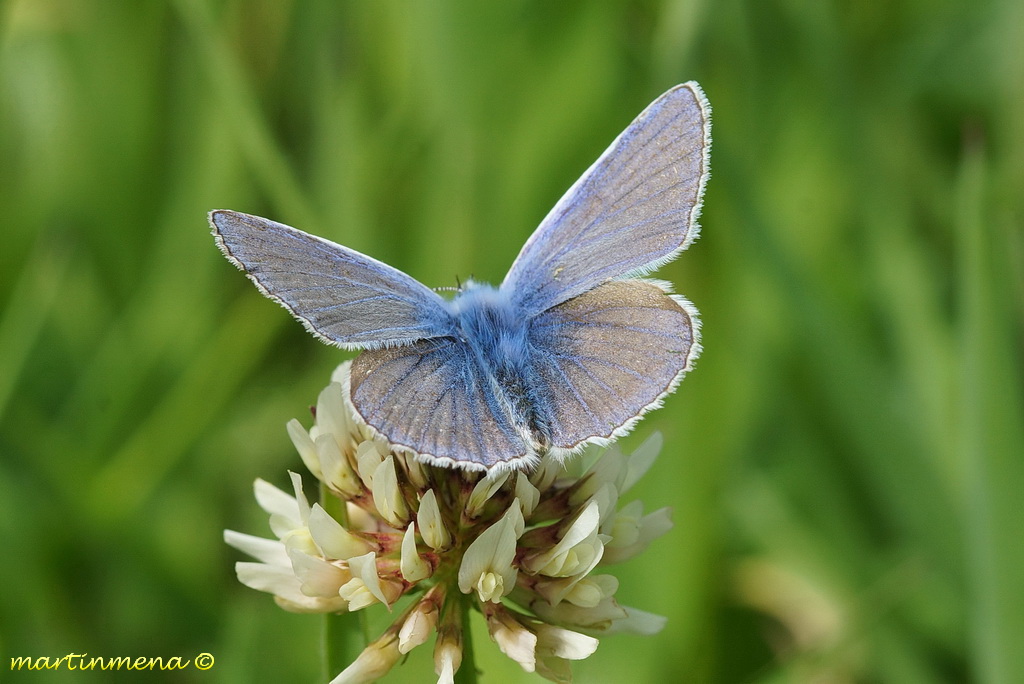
(846, 463)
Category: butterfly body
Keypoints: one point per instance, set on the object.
(490, 321)
(498, 331)
(572, 348)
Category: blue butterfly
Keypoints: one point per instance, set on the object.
(572, 348)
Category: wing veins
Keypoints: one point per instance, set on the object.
(627, 227)
(596, 379)
(387, 396)
(349, 303)
(643, 331)
(576, 394)
(640, 147)
(610, 364)
(332, 276)
(447, 392)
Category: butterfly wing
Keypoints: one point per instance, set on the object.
(634, 209)
(343, 297)
(609, 355)
(432, 398)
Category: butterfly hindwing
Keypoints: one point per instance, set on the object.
(432, 397)
(633, 210)
(609, 355)
(343, 297)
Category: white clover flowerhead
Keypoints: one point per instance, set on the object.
(525, 550)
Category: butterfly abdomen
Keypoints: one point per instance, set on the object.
(494, 327)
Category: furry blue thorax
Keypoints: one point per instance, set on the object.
(489, 321)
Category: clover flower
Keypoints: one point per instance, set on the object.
(525, 550)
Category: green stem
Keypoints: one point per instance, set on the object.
(467, 673)
(334, 505)
(341, 641)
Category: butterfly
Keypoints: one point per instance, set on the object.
(572, 348)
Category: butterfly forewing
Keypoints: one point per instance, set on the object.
(634, 209)
(432, 398)
(610, 354)
(344, 297)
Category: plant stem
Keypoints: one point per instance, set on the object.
(341, 641)
(467, 671)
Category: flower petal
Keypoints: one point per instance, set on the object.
(645, 530)
(332, 415)
(447, 659)
(270, 551)
(512, 637)
(365, 584)
(418, 625)
(336, 472)
(412, 566)
(580, 547)
(333, 540)
(610, 468)
(432, 527)
(484, 490)
(387, 495)
(305, 446)
(368, 458)
(563, 643)
(528, 495)
(598, 618)
(606, 498)
(448, 646)
(374, 662)
(638, 622)
(282, 582)
(487, 564)
(641, 460)
(316, 576)
(282, 507)
(547, 471)
(300, 496)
